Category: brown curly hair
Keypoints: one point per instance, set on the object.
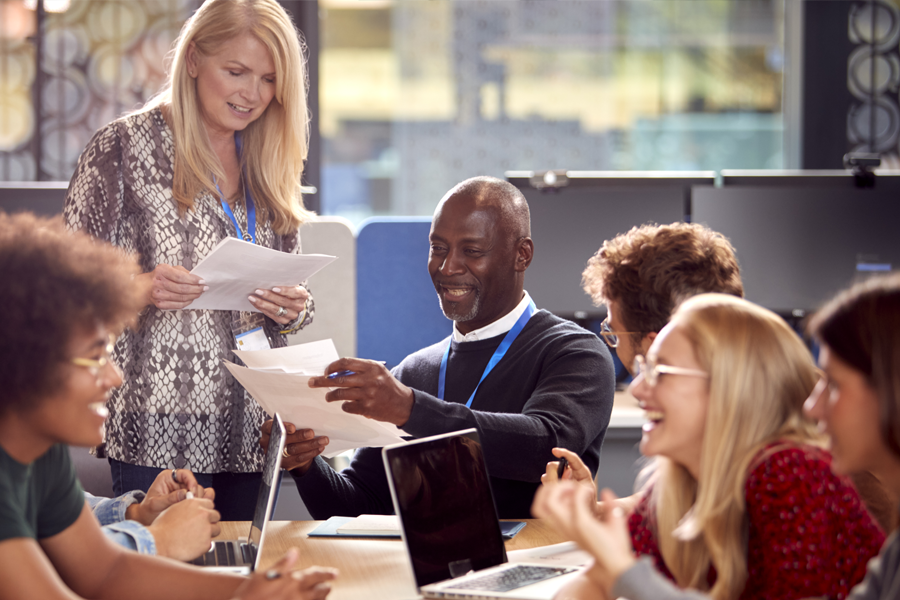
(651, 269)
(54, 284)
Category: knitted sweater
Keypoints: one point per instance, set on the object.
(553, 388)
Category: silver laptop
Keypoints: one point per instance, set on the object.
(242, 556)
(448, 520)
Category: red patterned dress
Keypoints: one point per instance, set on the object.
(809, 533)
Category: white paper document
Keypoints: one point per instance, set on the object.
(310, 358)
(564, 554)
(278, 378)
(235, 269)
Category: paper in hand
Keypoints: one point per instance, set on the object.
(235, 269)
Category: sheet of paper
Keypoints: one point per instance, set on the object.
(235, 268)
(310, 358)
(565, 554)
(306, 407)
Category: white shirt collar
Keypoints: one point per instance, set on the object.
(501, 325)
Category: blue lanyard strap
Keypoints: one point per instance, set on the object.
(499, 353)
(250, 236)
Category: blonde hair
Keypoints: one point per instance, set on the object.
(760, 375)
(275, 145)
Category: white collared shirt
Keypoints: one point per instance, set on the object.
(501, 325)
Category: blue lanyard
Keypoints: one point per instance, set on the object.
(250, 236)
(499, 353)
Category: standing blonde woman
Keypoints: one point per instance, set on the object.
(218, 153)
(740, 500)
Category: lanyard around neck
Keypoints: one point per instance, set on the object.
(499, 353)
(250, 236)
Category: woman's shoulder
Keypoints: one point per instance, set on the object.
(790, 474)
(788, 461)
(129, 129)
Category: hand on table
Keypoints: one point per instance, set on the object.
(371, 391)
(166, 491)
(185, 530)
(291, 299)
(280, 583)
(171, 287)
(301, 446)
(569, 507)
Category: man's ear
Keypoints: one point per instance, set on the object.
(647, 341)
(524, 254)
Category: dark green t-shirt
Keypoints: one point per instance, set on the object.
(41, 499)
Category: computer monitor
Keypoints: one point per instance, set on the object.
(801, 242)
(569, 224)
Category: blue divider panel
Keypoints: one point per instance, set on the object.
(397, 308)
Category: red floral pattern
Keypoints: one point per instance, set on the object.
(809, 532)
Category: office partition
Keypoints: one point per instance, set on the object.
(40, 197)
(570, 223)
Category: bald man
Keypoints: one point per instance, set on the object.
(553, 386)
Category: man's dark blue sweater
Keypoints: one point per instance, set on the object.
(553, 388)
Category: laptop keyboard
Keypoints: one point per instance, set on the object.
(510, 579)
(222, 554)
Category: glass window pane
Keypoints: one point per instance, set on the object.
(417, 95)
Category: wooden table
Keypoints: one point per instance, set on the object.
(372, 569)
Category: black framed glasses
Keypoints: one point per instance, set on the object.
(650, 369)
(610, 337)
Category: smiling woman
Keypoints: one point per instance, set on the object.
(65, 296)
(738, 498)
(218, 153)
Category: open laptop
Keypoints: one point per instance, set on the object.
(448, 520)
(242, 556)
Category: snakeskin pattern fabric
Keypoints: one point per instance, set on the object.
(178, 406)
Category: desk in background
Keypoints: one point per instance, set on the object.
(370, 568)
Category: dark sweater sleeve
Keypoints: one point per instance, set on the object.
(569, 407)
(361, 488)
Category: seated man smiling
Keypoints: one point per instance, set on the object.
(526, 379)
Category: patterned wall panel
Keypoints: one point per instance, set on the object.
(98, 60)
(873, 78)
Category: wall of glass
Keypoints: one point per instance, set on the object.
(417, 95)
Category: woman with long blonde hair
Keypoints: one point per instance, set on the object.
(738, 499)
(218, 153)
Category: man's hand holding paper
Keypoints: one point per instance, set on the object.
(278, 380)
(369, 390)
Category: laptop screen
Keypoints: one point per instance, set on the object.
(443, 497)
(265, 500)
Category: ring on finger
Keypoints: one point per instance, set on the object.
(272, 574)
(285, 453)
(175, 475)
(281, 311)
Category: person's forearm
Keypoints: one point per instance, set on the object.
(134, 575)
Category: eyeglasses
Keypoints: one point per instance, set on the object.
(610, 337)
(649, 368)
(96, 365)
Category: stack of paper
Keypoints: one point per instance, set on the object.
(235, 269)
(278, 378)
